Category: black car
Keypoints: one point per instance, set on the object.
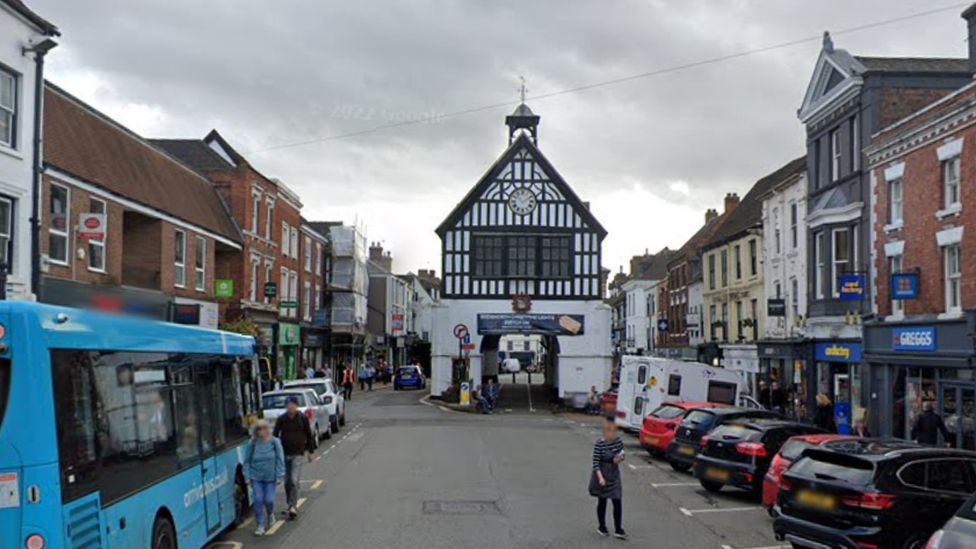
(684, 447)
(872, 493)
(959, 532)
(739, 452)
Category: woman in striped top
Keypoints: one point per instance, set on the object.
(608, 453)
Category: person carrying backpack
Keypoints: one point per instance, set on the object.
(298, 442)
(264, 470)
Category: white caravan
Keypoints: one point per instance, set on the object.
(647, 382)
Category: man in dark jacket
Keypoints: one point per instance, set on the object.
(293, 429)
(928, 426)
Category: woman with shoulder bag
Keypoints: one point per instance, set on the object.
(605, 484)
(264, 470)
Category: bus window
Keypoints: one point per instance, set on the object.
(187, 430)
(211, 430)
(720, 392)
(4, 386)
(232, 398)
(674, 385)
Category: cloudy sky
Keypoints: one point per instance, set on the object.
(650, 154)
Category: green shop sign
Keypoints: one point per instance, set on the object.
(223, 287)
(288, 334)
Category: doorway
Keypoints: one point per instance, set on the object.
(957, 406)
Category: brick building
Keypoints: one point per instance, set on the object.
(263, 278)
(920, 345)
(163, 228)
(312, 313)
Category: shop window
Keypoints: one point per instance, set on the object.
(59, 229)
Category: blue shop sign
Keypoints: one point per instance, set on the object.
(837, 352)
(913, 338)
(851, 287)
(904, 286)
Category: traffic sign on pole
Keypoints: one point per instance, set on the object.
(460, 331)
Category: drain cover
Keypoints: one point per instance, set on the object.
(461, 507)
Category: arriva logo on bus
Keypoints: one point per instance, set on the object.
(195, 494)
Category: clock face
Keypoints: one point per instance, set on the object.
(522, 201)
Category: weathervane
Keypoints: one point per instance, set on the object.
(522, 89)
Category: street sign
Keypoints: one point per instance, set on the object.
(224, 287)
(662, 325)
(91, 226)
(466, 344)
(460, 331)
(270, 289)
(288, 304)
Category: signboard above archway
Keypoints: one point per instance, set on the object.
(531, 323)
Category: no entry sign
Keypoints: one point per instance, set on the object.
(460, 331)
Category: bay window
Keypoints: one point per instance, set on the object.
(841, 255)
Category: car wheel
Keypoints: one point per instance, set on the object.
(711, 486)
(680, 467)
(334, 425)
(916, 541)
(328, 431)
(771, 511)
(342, 418)
(163, 534)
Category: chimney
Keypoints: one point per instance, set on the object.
(710, 214)
(375, 251)
(731, 201)
(970, 16)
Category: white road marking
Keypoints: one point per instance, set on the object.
(690, 512)
(764, 547)
(670, 484)
(636, 467)
(274, 527)
(316, 484)
(226, 544)
(301, 501)
(528, 389)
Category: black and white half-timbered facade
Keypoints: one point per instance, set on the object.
(522, 234)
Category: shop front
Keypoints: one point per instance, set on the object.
(313, 346)
(782, 366)
(912, 363)
(838, 376)
(744, 358)
(289, 339)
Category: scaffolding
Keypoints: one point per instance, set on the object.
(349, 283)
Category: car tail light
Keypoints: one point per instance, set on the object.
(866, 545)
(308, 413)
(753, 449)
(672, 426)
(785, 485)
(936, 540)
(704, 441)
(34, 541)
(327, 400)
(620, 414)
(873, 501)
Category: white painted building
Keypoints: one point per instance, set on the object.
(24, 40)
(696, 303)
(784, 257)
(640, 310)
(521, 254)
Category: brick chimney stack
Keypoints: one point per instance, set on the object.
(379, 257)
(731, 201)
(710, 214)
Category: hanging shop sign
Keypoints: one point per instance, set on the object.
(913, 338)
(775, 307)
(224, 287)
(92, 226)
(530, 323)
(270, 289)
(851, 287)
(289, 334)
(904, 286)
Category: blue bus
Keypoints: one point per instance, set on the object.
(120, 432)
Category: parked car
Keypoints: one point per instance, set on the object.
(959, 532)
(409, 376)
(659, 426)
(872, 493)
(329, 394)
(789, 453)
(684, 447)
(273, 404)
(739, 453)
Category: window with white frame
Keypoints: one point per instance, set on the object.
(307, 302)
(179, 273)
(308, 254)
(819, 251)
(835, 155)
(294, 242)
(795, 296)
(950, 183)
(778, 288)
(894, 267)
(96, 246)
(318, 258)
(255, 212)
(7, 233)
(293, 287)
(841, 255)
(318, 298)
(953, 277)
(8, 108)
(794, 215)
(283, 292)
(853, 145)
(268, 272)
(60, 215)
(894, 202)
(200, 265)
(776, 231)
(285, 238)
(269, 219)
(252, 290)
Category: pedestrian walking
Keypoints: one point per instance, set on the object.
(264, 470)
(347, 381)
(860, 428)
(777, 398)
(928, 426)
(363, 376)
(293, 429)
(309, 372)
(371, 376)
(824, 416)
(605, 483)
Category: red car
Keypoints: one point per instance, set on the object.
(658, 428)
(790, 451)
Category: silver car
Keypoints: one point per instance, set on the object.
(273, 403)
(329, 394)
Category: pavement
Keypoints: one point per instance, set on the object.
(405, 473)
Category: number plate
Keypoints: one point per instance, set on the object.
(816, 500)
(721, 475)
(686, 450)
(651, 440)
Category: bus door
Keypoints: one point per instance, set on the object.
(211, 435)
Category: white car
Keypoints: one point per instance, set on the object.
(273, 404)
(329, 394)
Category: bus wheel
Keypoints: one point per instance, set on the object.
(241, 503)
(163, 536)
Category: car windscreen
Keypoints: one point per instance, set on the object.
(698, 419)
(318, 387)
(856, 472)
(735, 432)
(668, 412)
(407, 371)
(792, 449)
(278, 401)
(5, 382)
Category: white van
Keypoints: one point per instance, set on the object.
(647, 382)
